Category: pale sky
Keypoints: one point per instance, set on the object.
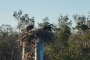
(42, 8)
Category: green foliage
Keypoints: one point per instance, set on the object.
(23, 20)
(87, 36)
(81, 26)
(45, 22)
(81, 22)
(61, 45)
(64, 33)
(64, 20)
(69, 45)
(8, 39)
(67, 56)
(85, 50)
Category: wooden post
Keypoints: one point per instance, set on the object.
(36, 50)
(23, 51)
(39, 50)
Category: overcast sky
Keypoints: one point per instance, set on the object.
(42, 8)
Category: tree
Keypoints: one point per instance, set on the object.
(45, 22)
(23, 20)
(81, 23)
(64, 20)
(79, 42)
(59, 49)
(8, 39)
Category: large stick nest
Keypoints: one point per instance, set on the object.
(28, 36)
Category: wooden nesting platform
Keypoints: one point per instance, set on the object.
(31, 35)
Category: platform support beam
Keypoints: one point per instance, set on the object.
(23, 51)
(39, 50)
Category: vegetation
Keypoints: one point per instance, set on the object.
(71, 43)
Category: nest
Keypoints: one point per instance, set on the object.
(31, 35)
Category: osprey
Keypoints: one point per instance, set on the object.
(48, 27)
(29, 27)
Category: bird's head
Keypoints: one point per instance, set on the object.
(33, 23)
(51, 24)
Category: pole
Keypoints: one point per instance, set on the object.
(23, 50)
(35, 50)
(42, 50)
(39, 50)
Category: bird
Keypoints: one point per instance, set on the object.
(48, 27)
(29, 27)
